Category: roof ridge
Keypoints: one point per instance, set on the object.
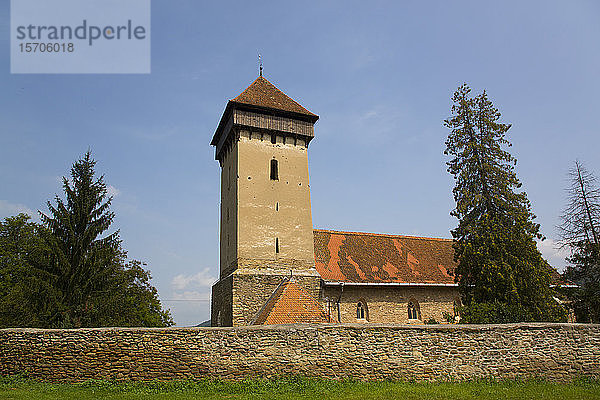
(382, 234)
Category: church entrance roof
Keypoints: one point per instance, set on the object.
(290, 304)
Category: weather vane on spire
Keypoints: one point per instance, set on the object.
(260, 64)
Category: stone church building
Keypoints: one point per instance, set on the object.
(274, 267)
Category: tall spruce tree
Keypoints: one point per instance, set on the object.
(90, 269)
(580, 233)
(501, 274)
(81, 259)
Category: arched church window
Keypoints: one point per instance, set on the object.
(360, 311)
(274, 170)
(413, 310)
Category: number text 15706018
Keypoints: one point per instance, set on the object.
(36, 47)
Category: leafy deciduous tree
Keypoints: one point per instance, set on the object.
(28, 296)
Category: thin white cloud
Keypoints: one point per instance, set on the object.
(381, 121)
(552, 252)
(202, 279)
(8, 209)
(113, 191)
(369, 115)
(192, 295)
(190, 292)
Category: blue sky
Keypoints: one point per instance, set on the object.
(379, 74)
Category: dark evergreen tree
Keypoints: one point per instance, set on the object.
(82, 260)
(69, 272)
(501, 274)
(580, 233)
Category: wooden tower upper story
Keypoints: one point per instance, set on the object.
(261, 145)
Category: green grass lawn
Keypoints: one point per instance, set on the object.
(298, 388)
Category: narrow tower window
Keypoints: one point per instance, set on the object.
(274, 170)
(276, 245)
(277, 206)
(273, 138)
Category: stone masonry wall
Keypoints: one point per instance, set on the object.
(221, 307)
(557, 352)
(390, 304)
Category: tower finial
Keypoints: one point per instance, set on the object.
(260, 64)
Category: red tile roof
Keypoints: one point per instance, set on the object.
(263, 93)
(290, 304)
(378, 258)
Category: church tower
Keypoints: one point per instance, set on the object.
(266, 223)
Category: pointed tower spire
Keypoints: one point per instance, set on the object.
(260, 64)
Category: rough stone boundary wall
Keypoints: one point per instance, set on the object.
(436, 352)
